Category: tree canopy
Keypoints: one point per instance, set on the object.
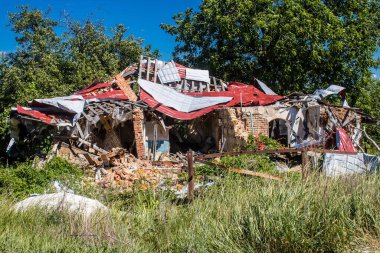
(47, 63)
(293, 45)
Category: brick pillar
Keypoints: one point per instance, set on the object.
(138, 121)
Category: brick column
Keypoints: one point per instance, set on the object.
(138, 121)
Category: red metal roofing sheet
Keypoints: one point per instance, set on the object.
(345, 143)
(98, 86)
(35, 114)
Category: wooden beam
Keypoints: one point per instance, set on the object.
(88, 117)
(79, 130)
(140, 65)
(155, 70)
(147, 69)
(93, 110)
(126, 88)
(100, 150)
(92, 161)
(216, 86)
(155, 107)
(190, 175)
(102, 108)
(242, 171)
(222, 83)
(207, 87)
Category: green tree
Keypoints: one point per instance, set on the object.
(46, 64)
(92, 54)
(369, 102)
(295, 45)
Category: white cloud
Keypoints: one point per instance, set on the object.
(375, 76)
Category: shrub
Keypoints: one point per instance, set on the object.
(25, 178)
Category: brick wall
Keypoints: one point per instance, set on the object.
(259, 122)
(138, 120)
(235, 126)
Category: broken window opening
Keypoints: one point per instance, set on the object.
(279, 131)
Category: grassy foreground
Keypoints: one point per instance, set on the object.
(239, 214)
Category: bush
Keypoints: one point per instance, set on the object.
(26, 178)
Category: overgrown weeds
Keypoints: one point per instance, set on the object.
(238, 214)
(27, 178)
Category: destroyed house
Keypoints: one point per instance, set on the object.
(154, 108)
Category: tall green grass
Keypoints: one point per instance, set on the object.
(239, 214)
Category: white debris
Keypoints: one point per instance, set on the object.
(183, 192)
(62, 201)
(282, 167)
(59, 187)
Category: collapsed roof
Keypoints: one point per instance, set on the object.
(171, 89)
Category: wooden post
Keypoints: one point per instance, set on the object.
(190, 173)
(304, 163)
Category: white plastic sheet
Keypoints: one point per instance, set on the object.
(198, 75)
(331, 90)
(344, 164)
(181, 102)
(72, 104)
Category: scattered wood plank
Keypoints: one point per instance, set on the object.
(93, 146)
(242, 171)
(90, 160)
(106, 160)
(101, 107)
(256, 174)
(79, 130)
(90, 119)
(91, 108)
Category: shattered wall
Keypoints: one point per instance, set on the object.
(202, 133)
(305, 124)
(238, 123)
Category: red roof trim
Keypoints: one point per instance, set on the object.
(35, 114)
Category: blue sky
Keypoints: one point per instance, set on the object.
(142, 18)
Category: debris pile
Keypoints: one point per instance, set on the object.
(119, 169)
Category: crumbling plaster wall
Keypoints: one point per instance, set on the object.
(198, 130)
(342, 117)
(238, 123)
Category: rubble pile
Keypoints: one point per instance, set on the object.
(121, 170)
